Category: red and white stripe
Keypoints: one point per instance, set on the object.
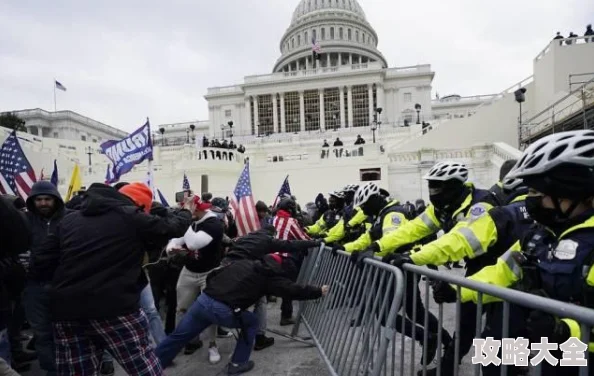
(24, 183)
(245, 214)
(287, 228)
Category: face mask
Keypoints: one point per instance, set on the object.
(444, 199)
(548, 217)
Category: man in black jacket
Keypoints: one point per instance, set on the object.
(93, 260)
(231, 289)
(14, 239)
(45, 212)
(254, 246)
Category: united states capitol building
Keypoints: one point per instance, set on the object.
(283, 117)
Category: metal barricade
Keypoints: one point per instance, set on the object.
(511, 301)
(353, 325)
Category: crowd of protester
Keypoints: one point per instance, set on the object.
(568, 38)
(214, 143)
(91, 277)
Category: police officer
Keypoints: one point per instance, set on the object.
(485, 236)
(497, 189)
(387, 217)
(555, 258)
(330, 218)
(353, 223)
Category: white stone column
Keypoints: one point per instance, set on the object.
(350, 59)
(341, 96)
(380, 98)
(282, 114)
(322, 115)
(340, 59)
(370, 97)
(274, 114)
(350, 102)
(307, 63)
(256, 115)
(302, 111)
(246, 128)
(328, 60)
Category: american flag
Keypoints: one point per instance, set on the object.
(59, 86)
(16, 173)
(284, 191)
(243, 204)
(186, 183)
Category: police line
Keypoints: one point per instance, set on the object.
(356, 327)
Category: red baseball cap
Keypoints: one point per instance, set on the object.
(201, 205)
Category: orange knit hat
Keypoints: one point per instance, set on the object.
(140, 193)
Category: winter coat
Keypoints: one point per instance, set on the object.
(94, 258)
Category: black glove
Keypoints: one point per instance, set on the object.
(362, 256)
(542, 324)
(444, 293)
(354, 257)
(397, 259)
(336, 248)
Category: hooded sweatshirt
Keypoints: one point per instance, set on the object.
(94, 258)
(41, 227)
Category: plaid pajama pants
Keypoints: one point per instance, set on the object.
(80, 344)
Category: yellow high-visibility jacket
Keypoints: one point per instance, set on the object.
(427, 223)
(337, 233)
(390, 218)
(508, 271)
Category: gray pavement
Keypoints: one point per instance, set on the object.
(287, 357)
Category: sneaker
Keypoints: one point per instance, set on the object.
(287, 321)
(263, 342)
(192, 347)
(236, 369)
(213, 355)
(106, 369)
(222, 333)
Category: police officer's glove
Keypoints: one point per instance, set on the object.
(397, 259)
(443, 292)
(362, 256)
(542, 324)
(336, 248)
(354, 257)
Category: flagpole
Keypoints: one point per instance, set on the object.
(55, 94)
(150, 161)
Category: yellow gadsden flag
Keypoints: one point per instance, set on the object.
(75, 183)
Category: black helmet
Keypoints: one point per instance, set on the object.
(288, 204)
(220, 203)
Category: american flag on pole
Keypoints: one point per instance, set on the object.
(285, 190)
(243, 204)
(59, 86)
(16, 173)
(185, 183)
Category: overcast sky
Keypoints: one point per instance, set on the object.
(124, 60)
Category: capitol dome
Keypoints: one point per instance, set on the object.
(338, 26)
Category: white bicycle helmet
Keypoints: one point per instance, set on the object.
(352, 188)
(573, 147)
(448, 170)
(364, 193)
(337, 194)
(511, 184)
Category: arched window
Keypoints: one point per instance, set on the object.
(331, 33)
(314, 34)
(292, 42)
(350, 34)
(306, 37)
(357, 35)
(363, 38)
(323, 33)
(340, 33)
(299, 40)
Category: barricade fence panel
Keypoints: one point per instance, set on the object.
(380, 320)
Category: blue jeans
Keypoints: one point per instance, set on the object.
(37, 309)
(204, 312)
(147, 303)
